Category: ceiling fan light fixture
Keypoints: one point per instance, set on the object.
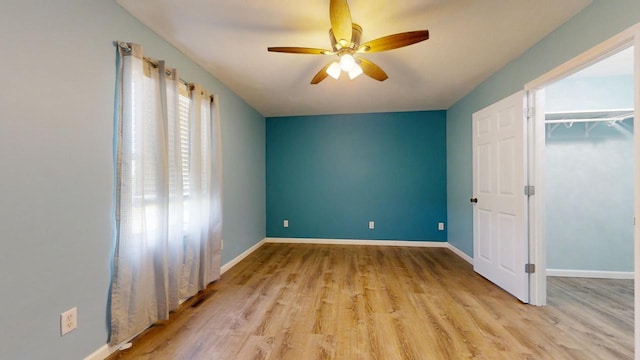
(347, 62)
(355, 72)
(334, 70)
(345, 37)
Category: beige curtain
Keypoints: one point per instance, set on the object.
(168, 202)
(203, 207)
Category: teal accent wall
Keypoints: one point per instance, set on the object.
(593, 25)
(589, 178)
(56, 146)
(331, 175)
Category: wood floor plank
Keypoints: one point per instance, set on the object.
(322, 302)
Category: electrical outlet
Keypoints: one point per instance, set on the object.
(221, 244)
(440, 226)
(68, 320)
(372, 225)
(285, 223)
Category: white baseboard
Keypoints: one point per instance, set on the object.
(240, 257)
(460, 253)
(591, 274)
(102, 353)
(356, 242)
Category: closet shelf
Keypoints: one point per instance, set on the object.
(590, 118)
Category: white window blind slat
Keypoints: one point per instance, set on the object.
(183, 114)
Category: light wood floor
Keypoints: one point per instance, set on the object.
(353, 302)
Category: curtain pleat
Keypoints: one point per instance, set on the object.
(165, 247)
(215, 208)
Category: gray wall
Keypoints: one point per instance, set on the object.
(56, 184)
(589, 178)
(596, 23)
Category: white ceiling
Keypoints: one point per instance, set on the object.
(469, 41)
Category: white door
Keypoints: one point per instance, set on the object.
(500, 247)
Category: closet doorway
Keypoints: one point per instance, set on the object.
(589, 196)
(589, 171)
(582, 163)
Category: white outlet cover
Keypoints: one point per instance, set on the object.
(68, 321)
(440, 226)
(372, 225)
(285, 223)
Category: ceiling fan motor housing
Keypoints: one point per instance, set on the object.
(356, 35)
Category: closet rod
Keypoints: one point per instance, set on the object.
(603, 119)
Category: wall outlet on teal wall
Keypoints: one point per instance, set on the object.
(285, 223)
(372, 225)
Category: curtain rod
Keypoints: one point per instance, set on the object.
(155, 64)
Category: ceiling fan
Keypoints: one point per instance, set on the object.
(345, 43)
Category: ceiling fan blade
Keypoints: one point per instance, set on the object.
(394, 41)
(372, 70)
(341, 24)
(321, 75)
(301, 50)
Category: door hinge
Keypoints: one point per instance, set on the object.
(531, 112)
(529, 268)
(529, 190)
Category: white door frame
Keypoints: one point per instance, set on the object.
(536, 147)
